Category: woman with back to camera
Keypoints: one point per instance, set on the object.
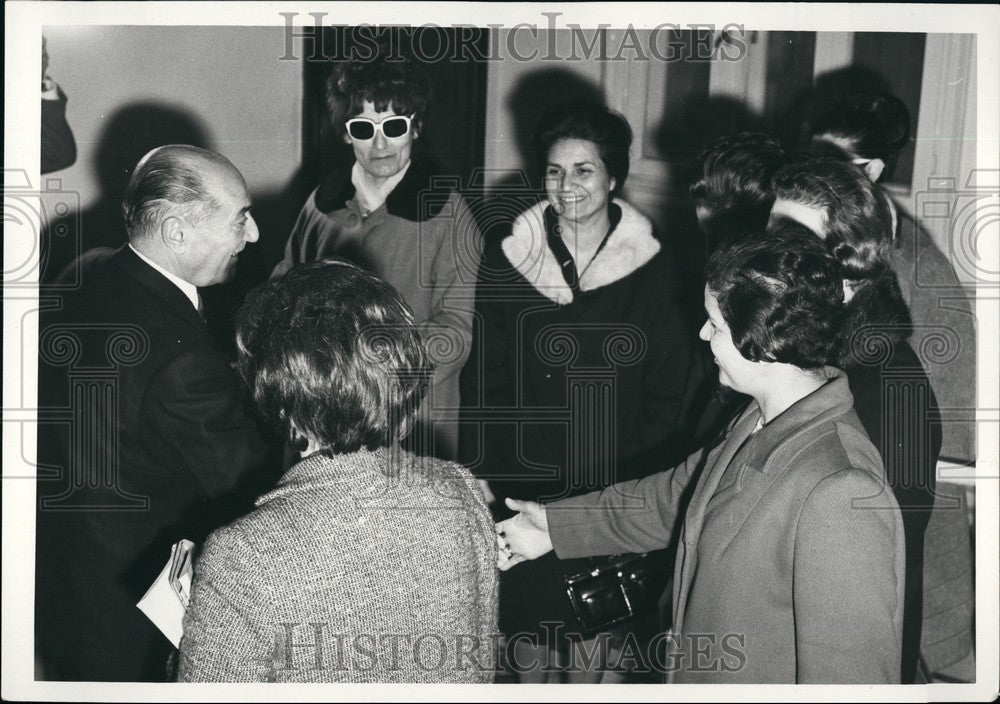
(892, 394)
(387, 213)
(331, 556)
(782, 575)
(579, 372)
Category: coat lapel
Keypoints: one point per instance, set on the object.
(695, 517)
(763, 458)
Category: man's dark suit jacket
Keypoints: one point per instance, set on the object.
(143, 440)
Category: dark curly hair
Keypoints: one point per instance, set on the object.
(607, 129)
(332, 356)
(781, 295)
(732, 179)
(858, 226)
(871, 125)
(400, 82)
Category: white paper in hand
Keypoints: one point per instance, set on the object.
(167, 598)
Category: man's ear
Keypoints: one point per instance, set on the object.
(172, 233)
(874, 169)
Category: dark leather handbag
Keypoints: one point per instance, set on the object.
(613, 590)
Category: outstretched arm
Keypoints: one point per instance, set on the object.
(194, 403)
(633, 516)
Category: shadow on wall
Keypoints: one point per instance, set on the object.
(690, 125)
(127, 135)
(829, 88)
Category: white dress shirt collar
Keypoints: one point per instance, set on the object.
(188, 289)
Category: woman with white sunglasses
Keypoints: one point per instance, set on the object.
(388, 213)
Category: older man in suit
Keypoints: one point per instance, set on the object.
(154, 443)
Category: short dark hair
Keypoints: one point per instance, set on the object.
(332, 355)
(732, 179)
(168, 179)
(781, 295)
(391, 77)
(858, 221)
(607, 129)
(874, 125)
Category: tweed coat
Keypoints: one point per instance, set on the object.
(365, 567)
(790, 566)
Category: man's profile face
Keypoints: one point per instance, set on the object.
(221, 233)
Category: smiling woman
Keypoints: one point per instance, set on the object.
(579, 311)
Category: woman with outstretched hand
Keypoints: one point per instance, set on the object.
(788, 567)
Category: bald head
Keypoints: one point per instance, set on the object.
(171, 181)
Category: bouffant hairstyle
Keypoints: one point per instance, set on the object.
(608, 130)
(858, 228)
(871, 125)
(781, 295)
(332, 356)
(391, 77)
(732, 180)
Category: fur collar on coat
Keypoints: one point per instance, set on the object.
(630, 246)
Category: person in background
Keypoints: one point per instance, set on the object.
(781, 574)
(384, 561)
(892, 394)
(580, 316)
(387, 212)
(58, 144)
(869, 130)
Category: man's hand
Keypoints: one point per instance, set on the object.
(523, 537)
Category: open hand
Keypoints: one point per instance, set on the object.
(524, 536)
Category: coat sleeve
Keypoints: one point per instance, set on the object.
(847, 584)
(194, 404)
(634, 516)
(448, 332)
(225, 637)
